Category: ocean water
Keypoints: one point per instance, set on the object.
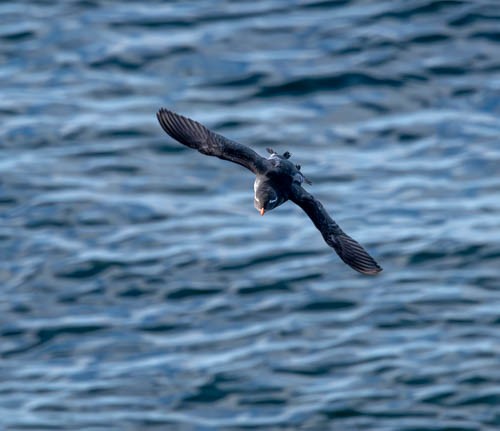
(140, 289)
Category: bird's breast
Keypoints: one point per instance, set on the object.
(256, 184)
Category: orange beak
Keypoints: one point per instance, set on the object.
(262, 211)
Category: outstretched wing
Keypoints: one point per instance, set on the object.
(347, 248)
(195, 135)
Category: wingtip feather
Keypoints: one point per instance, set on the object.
(184, 130)
(354, 255)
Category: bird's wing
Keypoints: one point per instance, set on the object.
(347, 248)
(195, 135)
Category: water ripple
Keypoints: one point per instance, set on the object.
(141, 289)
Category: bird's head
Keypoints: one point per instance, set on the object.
(266, 199)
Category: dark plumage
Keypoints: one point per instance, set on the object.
(277, 180)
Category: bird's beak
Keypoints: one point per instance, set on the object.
(262, 211)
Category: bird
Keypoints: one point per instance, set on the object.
(277, 180)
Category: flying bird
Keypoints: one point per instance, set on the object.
(277, 180)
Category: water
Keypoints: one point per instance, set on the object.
(141, 289)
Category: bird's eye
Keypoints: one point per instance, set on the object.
(271, 201)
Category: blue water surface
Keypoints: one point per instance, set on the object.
(141, 290)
